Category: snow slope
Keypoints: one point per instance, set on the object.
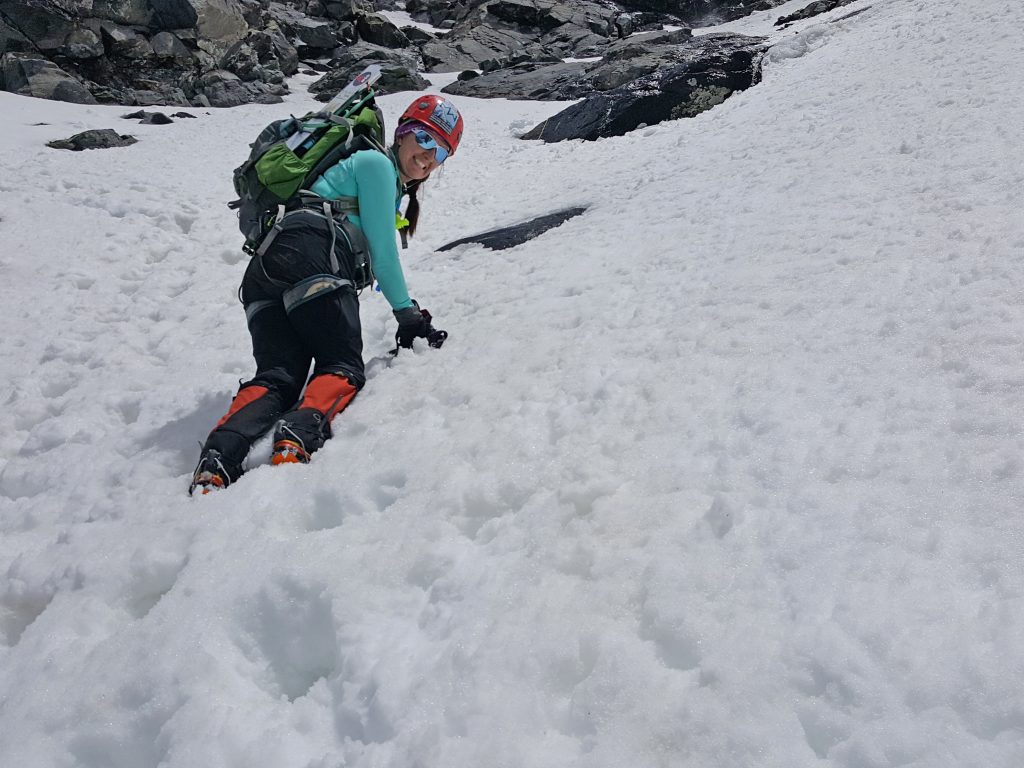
(725, 472)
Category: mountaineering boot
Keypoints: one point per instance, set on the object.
(288, 452)
(299, 435)
(212, 473)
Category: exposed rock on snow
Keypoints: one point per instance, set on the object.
(706, 71)
(814, 9)
(103, 138)
(517, 234)
(149, 118)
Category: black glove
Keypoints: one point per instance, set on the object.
(413, 323)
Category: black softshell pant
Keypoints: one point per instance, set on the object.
(299, 312)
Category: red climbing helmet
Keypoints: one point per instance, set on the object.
(437, 114)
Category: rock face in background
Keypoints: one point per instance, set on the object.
(398, 71)
(227, 52)
(702, 13)
(488, 35)
(815, 8)
(31, 75)
(707, 71)
(623, 61)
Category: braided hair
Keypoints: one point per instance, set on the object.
(412, 210)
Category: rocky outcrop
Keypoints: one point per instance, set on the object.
(708, 70)
(623, 62)
(508, 30)
(379, 31)
(226, 52)
(694, 13)
(398, 71)
(814, 9)
(135, 51)
(529, 80)
(31, 75)
(517, 234)
(103, 138)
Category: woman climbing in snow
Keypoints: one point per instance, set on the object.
(301, 301)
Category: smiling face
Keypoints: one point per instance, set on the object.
(415, 163)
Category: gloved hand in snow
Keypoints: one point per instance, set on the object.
(415, 323)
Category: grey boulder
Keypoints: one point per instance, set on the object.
(103, 138)
(714, 67)
(30, 75)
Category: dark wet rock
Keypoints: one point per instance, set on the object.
(468, 74)
(398, 71)
(152, 51)
(531, 56)
(379, 31)
(83, 43)
(149, 118)
(104, 138)
(279, 50)
(128, 12)
(532, 80)
(630, 58)
(364, 54)
(502, 30)
(221, 88)
(715, 67)
(168, 46)
(441, 57)
(814, 9)
(477, 45)
(316, 34)
(158, 96)
(31, 75)
(44, 24)
(125, 42)
(219, 24)
(517, 234)
(415, 35)
(702, 13)
(160, 51)
(12, 40)
(244, 59)
(435, 12)
(345, 10)
(623, 62)
(530, 13)
(170, 15)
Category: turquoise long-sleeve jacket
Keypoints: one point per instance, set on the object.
(372, 178)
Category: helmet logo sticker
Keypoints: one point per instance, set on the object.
(445, 116)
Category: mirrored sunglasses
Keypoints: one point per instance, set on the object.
(427, 141)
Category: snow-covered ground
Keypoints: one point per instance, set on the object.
(725, 472)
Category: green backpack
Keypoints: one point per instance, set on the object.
(290, 154)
